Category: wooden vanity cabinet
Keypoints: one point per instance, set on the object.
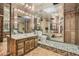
(20, 47)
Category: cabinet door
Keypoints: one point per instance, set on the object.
(27, 46)
(31, 43)
(36, 42)
(67, 28)
(77, 29)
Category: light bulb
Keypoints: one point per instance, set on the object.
(32, 8)
(29, 7)
(26, 5)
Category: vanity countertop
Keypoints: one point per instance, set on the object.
(21, 36)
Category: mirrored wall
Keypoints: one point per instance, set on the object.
(51, 25)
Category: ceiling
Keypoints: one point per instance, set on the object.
(40, 9)
(46, 9)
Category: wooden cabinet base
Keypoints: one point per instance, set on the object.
(22, 46)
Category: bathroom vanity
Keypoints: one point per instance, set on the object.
(20, 44)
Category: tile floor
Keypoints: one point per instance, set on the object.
(3, 48)
(39, 51)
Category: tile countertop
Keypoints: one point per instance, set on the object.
(21, 36)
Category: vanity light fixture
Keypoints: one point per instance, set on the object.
(15, 22)
(32, 8)
(15, 9)
(19, 10)
(29, 7)
(26, 5)
(15, 17)
(23, 12)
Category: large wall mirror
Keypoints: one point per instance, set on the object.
(23, 24)
(52, 24)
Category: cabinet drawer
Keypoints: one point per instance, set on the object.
(20, 52)
(20, 45)
(21, 40)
